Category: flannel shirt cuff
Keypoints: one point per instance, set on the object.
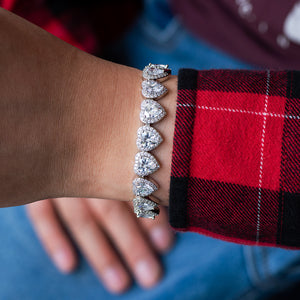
(236, 156)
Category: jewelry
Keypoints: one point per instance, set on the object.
(148, 138)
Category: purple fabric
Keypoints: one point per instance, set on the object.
(265, 33)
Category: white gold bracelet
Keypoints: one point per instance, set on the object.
(148, 138)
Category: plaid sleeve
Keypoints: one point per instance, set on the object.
(236, 151)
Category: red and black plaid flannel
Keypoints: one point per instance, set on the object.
(236, 156)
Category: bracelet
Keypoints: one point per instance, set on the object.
(148, 138)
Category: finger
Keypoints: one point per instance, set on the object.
(159, 231)
(121, 225)
(94, 244)
(52, 235)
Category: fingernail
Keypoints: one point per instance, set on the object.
(115, 280)
(162, 237)
(147, 272)
(62, 261)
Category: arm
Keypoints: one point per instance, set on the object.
(68, 120)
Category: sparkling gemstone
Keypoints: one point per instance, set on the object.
(145, 208)
(145, 164)
(150, 214)
(144, 203)
(148, 138)
(152, 89)
(156, 71)
(151, 111)
(143, 187)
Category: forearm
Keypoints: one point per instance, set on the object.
(33, 112)
(40, 81)
(68, 120)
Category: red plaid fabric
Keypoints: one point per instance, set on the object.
(236, 152)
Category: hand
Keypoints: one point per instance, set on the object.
(109, 236)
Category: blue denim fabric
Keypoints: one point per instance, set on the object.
(198, 267)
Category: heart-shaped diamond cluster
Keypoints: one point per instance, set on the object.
(143, 187)
(151, 111)
(145, 208)
(145, 164)
(153, 89)
(148, 138)
(155, 71)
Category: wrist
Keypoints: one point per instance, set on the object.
(104, 116)
(107, 108)
(36, 141)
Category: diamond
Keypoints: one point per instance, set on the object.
(153, 89)
(150, 214)
(145, 208)
(151, 111)
(148, 138)
(156, 71)
(143, 187)
(145, 164)
(144, 203)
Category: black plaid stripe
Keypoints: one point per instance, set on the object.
(183, 134)
(187, 79)
(250, 82)
(178, 202)
(231, 210)
(187, 83)
(295, 87)
(289, 216)
(290, 231)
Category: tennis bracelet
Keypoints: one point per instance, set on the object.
(148, 138)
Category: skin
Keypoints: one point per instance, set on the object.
(117, 245)
(68, 120)
(68, 123)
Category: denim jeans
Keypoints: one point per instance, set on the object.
(198, 267)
